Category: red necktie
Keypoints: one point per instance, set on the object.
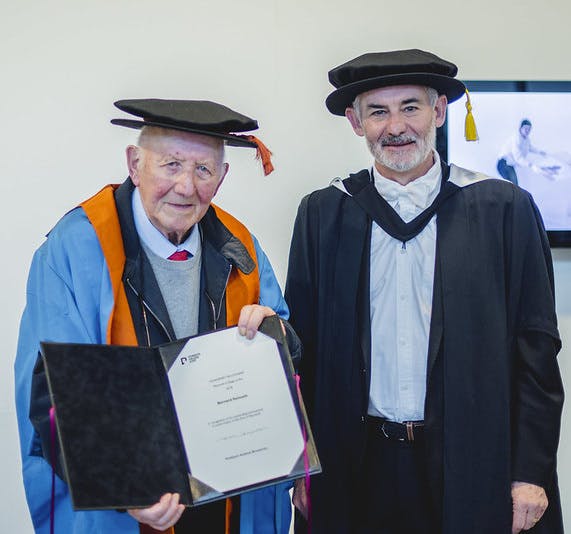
(179, 255)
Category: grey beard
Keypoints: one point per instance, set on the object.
(424, 147)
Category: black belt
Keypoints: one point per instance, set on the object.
(407, 431)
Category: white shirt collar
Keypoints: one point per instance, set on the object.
(420, 192)
(156, 241)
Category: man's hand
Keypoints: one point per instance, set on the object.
(529, 504)
(161, 515)
(251, 317)
(300, 497)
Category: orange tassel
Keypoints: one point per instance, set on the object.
(263, 153)
(228, 514)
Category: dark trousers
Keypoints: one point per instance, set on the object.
(507, 171)
(395, 497)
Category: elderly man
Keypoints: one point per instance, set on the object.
(147, 262)
(423, 296)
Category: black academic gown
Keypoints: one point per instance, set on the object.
(494, 392)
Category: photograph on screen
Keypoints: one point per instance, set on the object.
(523, 137)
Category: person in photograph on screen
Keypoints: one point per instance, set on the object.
(423, 296)
(143, 263)
(516, 153)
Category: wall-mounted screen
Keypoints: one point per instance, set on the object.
(524, 136)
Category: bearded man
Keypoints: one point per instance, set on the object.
(423, 296)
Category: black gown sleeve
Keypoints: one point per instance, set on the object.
(538, 390)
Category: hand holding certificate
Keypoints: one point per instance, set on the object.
(225, 419)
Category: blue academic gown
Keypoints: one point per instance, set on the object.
(69, 298)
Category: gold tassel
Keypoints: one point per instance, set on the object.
(470, 131)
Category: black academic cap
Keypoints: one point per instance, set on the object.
(195, 116)
(383, 69)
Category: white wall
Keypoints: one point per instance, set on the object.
(64, 62)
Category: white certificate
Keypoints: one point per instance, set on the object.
(235, 410)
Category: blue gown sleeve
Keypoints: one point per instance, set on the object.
(68, 299)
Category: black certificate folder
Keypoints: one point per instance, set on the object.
(125, 441)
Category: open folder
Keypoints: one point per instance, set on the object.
(207, 417)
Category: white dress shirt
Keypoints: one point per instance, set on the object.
(156, 241)
(402, 279)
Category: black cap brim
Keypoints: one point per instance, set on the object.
(340, 99)
(229, 139)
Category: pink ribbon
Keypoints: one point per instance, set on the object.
(305, 462)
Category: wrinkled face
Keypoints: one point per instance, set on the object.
(178, 174)
(399, 124)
